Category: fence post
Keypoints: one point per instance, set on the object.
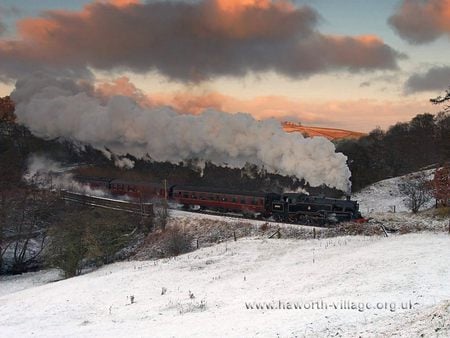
(314, 233)
(197, 243)
(234, 235)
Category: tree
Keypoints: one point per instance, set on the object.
(162, 216)
(84, 236)
(68, 247)
(416, 189)
(7, 108)
(25, 215)
(441, 185)
(442, 99)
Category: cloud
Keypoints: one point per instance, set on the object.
(190, 41)
(434, 79)
(2, 28)
(422, 21)
(357, 114)
(60, 107)
(365, 84)
(10, 11)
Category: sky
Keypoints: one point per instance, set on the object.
(342, 64)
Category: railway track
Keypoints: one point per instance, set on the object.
(143, 209)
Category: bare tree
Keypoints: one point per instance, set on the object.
(162, 216)
(442, 99)
(416, 189)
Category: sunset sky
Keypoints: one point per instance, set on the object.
(348, 64)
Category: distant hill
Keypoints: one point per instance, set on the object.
(329, 133)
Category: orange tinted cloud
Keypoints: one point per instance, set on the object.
(188, 41)
(239, 5)
(359, 115)
(122, 3)
(124, 87)
(419, 21)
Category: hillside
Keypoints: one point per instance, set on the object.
(213, 288)
(385, 196)
(329, 133)
(337, 282)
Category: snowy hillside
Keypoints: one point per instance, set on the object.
(204, 293)
(382, 196)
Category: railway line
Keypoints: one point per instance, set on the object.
(144, 209)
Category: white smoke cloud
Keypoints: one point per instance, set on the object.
(299, 190)
(53, 107)
(46, 173)
(120, 162)
(123, 162)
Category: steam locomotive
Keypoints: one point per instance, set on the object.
(287, 207)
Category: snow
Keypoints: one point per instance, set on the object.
(204, 293)
(408, 268)
(377, 202)
(12, 284)
(382, 196)
(194, 216)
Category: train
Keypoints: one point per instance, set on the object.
(291, 207)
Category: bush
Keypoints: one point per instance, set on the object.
(443, 212)
(176, 241)
(416, 189)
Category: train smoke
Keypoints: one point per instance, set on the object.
(46, 173)
(61, 107)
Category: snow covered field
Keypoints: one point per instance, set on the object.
(206, 292)
(382, 196)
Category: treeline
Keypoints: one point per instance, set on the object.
(403, 148)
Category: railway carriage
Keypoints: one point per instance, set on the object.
(249, 203)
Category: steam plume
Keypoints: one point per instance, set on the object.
(46, 173)
(53, 107)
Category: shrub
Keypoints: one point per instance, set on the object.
(176, 241)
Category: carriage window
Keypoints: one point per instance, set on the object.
(194, 196)
(233, 199)
(185, 195)
(243, 201)
(224, 199)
